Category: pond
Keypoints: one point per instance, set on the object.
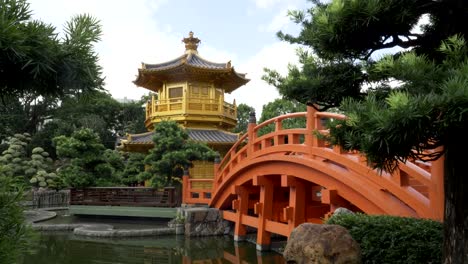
(67, 248)
(64, 247)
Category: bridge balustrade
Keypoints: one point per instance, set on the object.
(314, 178)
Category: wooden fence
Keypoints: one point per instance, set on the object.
(125, 196)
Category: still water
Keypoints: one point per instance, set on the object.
(66, 248)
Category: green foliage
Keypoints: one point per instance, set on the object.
(132, 116)
(86, 161)
(134, 169)
(243, 114)
(173, 151)
(387, 124)
(21, 169)
(94, 110)
(15, 236)
(390, 239)
(402, 106)
(38, 68)
(38, 168)
(319, 82)
(14, 160)
(34, 60)
(281, 107)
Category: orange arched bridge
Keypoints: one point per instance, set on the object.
(276, 181)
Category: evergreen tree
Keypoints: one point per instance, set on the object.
(243, 113)
(281, 107)
(38, 68)
(173, 152)
(134, 167)
(426, 110)
(85, 160)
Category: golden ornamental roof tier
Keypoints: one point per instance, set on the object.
(190, 67)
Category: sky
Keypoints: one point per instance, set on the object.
(150, 31)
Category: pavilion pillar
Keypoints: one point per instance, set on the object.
(241, 205)
(264, 209)
(295, 211)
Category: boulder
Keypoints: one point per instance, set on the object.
(324, 244)
(342, 210)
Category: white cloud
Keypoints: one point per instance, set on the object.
(130, 35)
(257, 92)
(266, 3)
(279, 22)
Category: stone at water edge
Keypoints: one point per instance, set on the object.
(324, 244)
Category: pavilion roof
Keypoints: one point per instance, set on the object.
(209, 136)
(190, 67)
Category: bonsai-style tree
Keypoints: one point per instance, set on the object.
(134, 166)
(40, 169)
(85, 160)
(14, 160)
(173, 151)
(409, 105)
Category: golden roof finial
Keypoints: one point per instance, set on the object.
(191, 43)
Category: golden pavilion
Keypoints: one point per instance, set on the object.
(189, 90)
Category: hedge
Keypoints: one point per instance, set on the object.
(391, 239)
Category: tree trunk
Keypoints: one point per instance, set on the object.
(456, 199)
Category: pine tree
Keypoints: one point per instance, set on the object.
(409, 105)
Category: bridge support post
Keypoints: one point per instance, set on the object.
(295, 212)
(264, 209)
(241, 207)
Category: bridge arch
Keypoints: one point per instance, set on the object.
(369, 197)
(277, 181)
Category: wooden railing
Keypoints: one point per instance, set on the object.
(420, 185)
(125, 196)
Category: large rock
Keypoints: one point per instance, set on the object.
(313, 243)
(202, 221)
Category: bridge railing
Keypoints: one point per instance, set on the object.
(252, 145)
(420, 183)
(191, 194)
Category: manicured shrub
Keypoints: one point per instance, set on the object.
(391, 239)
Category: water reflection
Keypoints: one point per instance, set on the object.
(67, 248)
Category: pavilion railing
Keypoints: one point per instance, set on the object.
(125, 196)
(190, 105)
